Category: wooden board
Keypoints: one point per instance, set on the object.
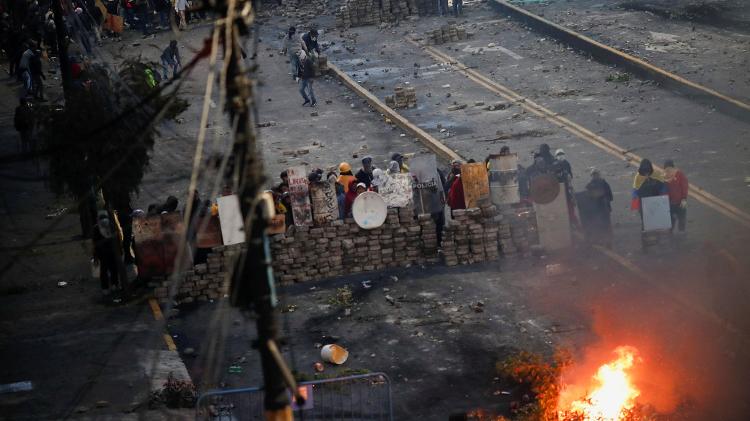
(476, 184)
(325, 204)
(397, 191)
(231, 221)
(656, 214)
(553, 224)
(208, 233)
(299, 194)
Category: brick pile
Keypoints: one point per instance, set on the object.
(206, 281)
(369, 12)
(519, 232)
(402, 98)
(472, 237)
(341, 247)
(445, 34)
(302, 10)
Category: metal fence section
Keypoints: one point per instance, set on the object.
(358, 397)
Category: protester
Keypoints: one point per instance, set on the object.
(458, 7)
(284, 176)
(169, 206)
(290, 48)
(306, 73)
(364, 175)
(355, 189)
(646, 184)
(563, 170)
(677, 184)
(23, 121)
(163, 8)
(456, 191)
(393, 168)
(179, 7)
(37, 75)
(599, 226)
(105, 253)
(345, 175)
(453, 172)
(400, 159)
(170, 58)
(310, 43)
(544, 152)
(538, 168)
(379, 178)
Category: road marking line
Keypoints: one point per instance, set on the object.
(474, 50)
(607, 145)
(170, 342)
(155, 309)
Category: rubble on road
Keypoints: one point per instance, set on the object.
(446, 34)
(402, 98)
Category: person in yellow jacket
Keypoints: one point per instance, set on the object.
(345, 175)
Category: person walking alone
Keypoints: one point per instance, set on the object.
(306, 73)
(677, 184)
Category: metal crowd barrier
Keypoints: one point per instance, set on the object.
(358, 397)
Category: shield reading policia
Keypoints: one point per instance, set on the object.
(428, 189)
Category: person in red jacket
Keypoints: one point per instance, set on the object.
(677, 184)
(456, 192)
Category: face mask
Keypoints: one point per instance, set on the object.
(314, 38)
(560, 157)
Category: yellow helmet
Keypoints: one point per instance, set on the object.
(344, 167)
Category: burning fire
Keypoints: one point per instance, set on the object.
(612, 393)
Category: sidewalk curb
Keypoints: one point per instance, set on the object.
(641, 68)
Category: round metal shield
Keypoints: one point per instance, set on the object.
(369, 210)
(544, 188)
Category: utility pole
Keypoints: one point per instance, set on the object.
(253, 283)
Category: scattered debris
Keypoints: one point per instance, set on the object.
(319, 367)
(402, 98)
(618, 77)
(334, 354)
(390, 299)
(16, 387)
(343, 297)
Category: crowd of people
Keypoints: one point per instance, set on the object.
(597, 194)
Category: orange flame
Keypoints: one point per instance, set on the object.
(613, 393)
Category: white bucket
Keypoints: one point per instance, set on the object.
(334, 354)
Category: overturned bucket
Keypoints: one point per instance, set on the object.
(334, 354)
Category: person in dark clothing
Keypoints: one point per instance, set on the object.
(306, 75)
(563, 170)
(37, 75)
(453, 173)
(142, 12)
(545, 153)
(163, 7)
(539, 167)
(170, 58)
(364, 175)
(169, 206)
(310, 41)
(105, 243)
(23, 121)
(283, 192)
(355, 189)
(598, 227)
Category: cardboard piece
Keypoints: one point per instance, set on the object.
(553, 222)
(230, 217)
(476, 184)
(656, 214)
(300, 196)
(397, 191)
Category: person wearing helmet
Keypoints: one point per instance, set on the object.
(345, 175)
